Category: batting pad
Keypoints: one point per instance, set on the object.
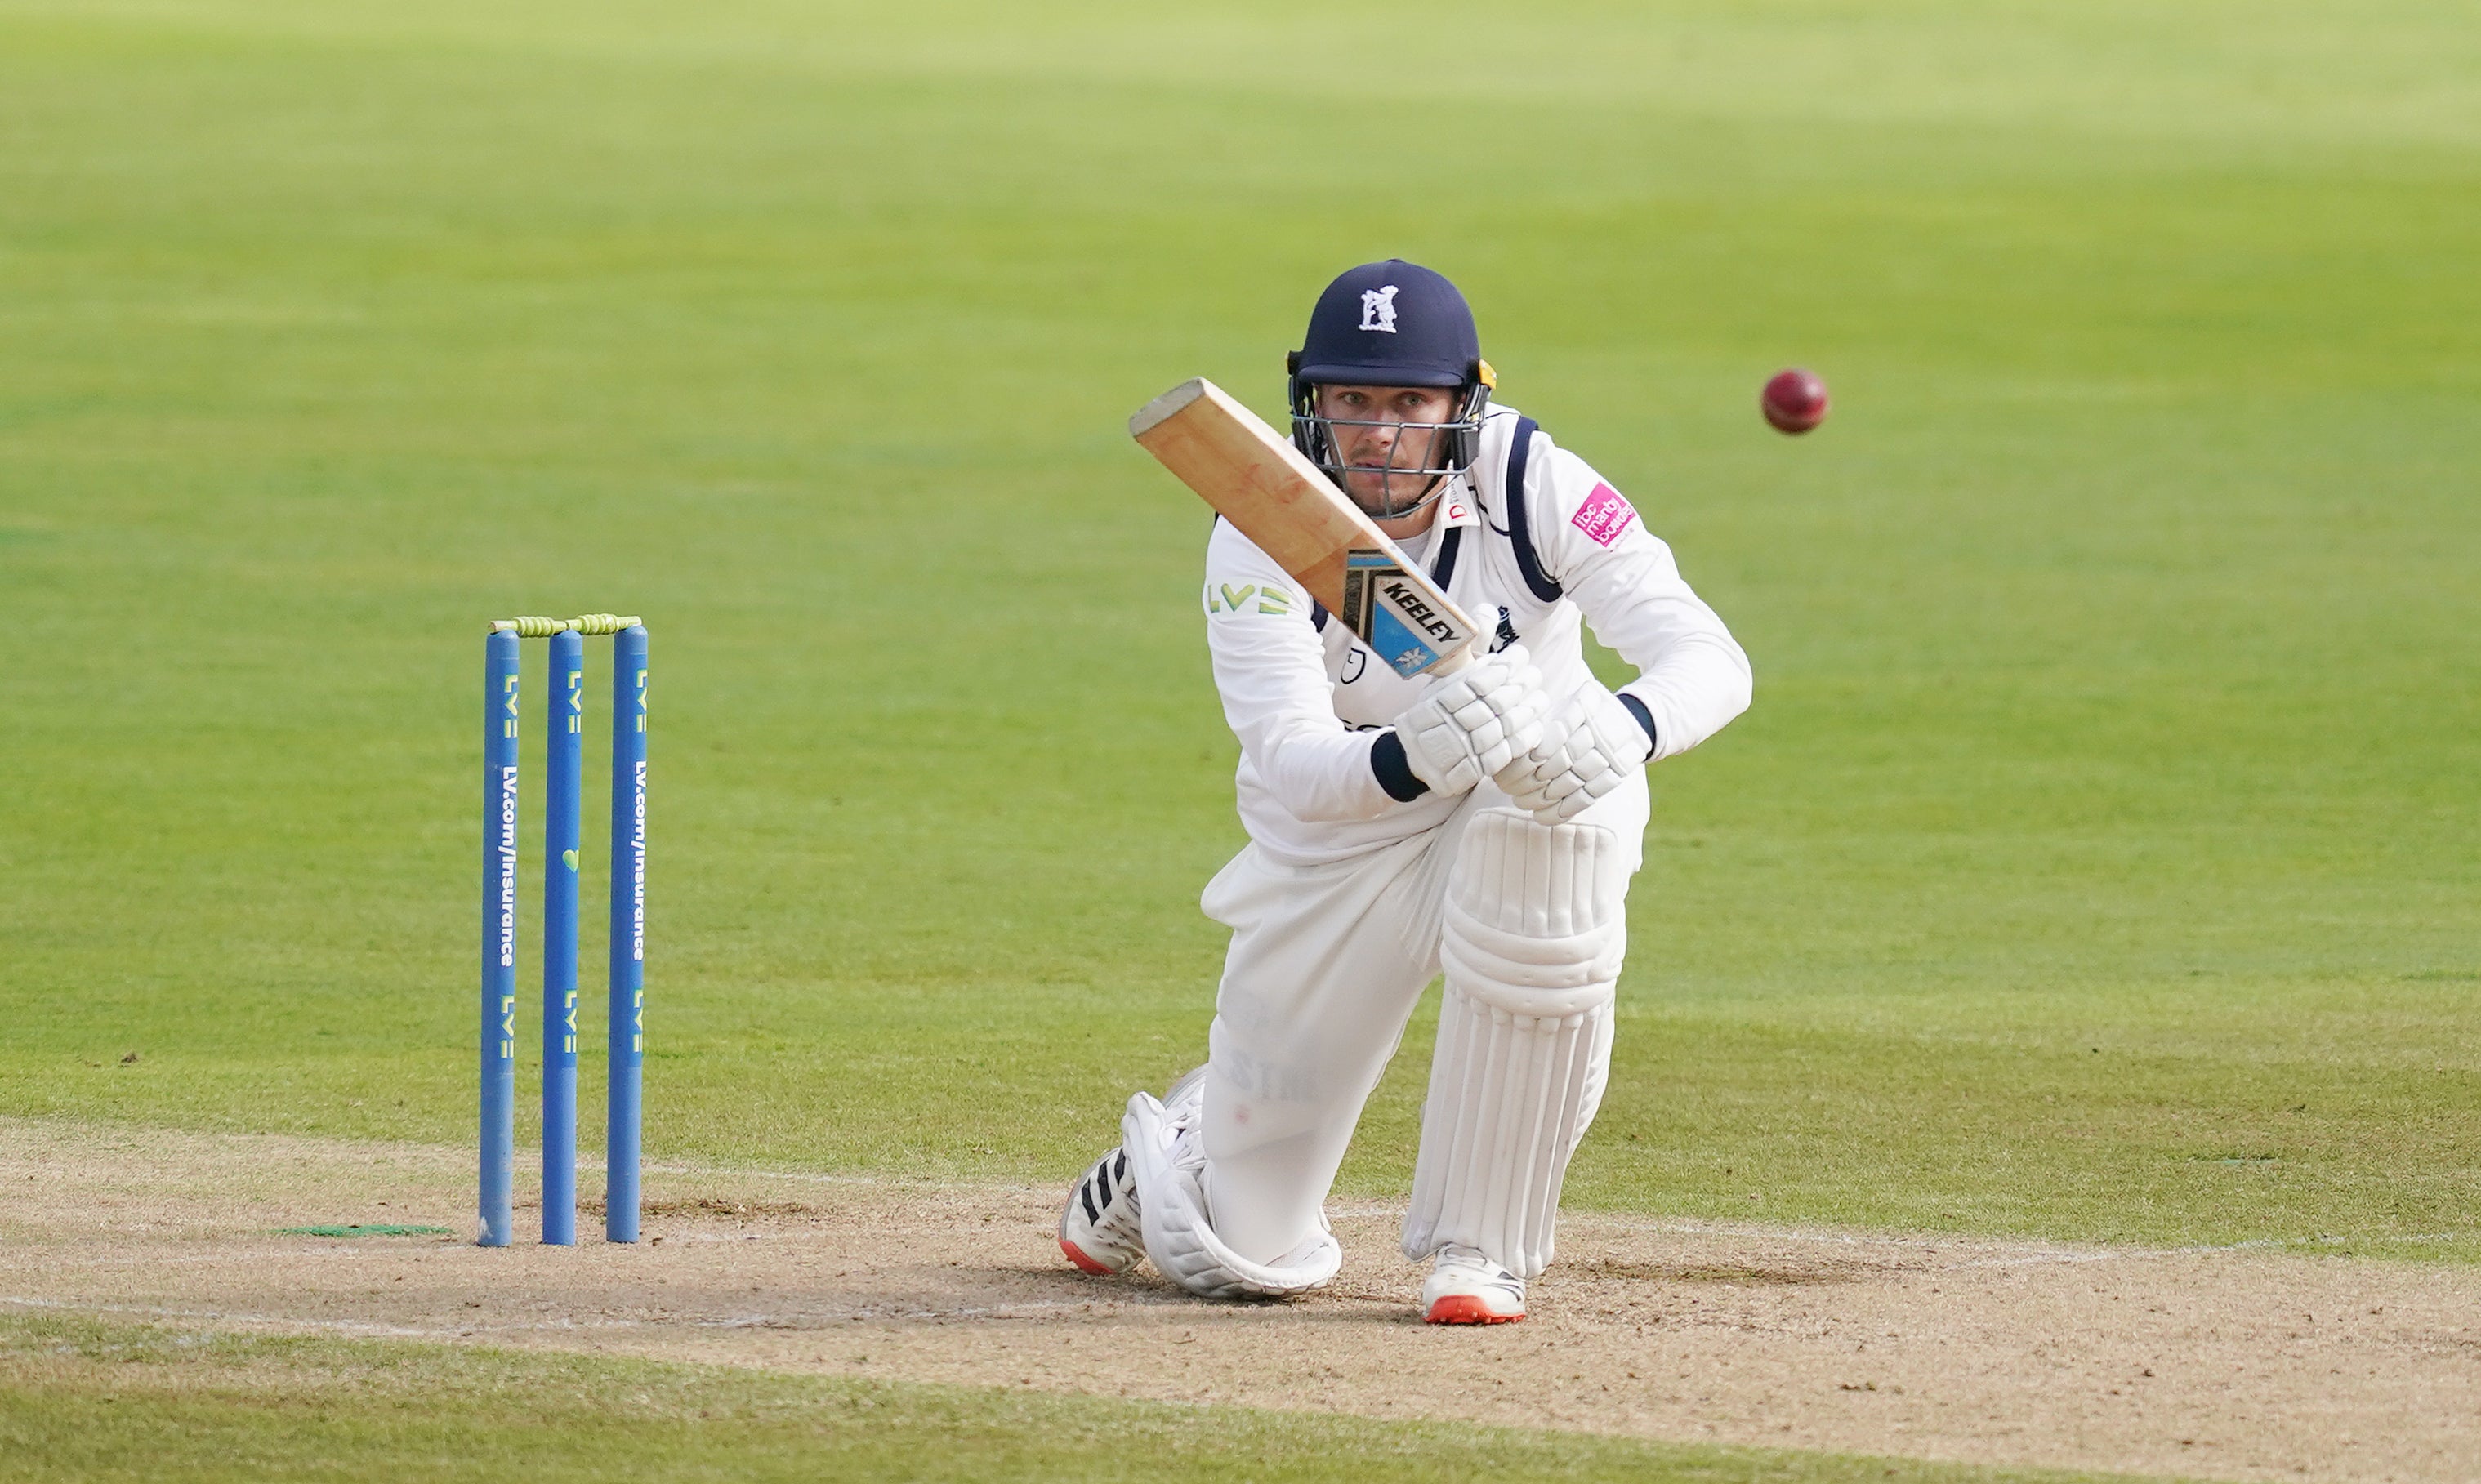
(1533, 932)
(1170, 1163)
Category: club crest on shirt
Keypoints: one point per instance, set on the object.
(1605, 515)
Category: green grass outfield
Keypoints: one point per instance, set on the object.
(2096, 862)
(109, 1401)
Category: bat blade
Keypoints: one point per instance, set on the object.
(1288, 507)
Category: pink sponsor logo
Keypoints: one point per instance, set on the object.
(1605, 515)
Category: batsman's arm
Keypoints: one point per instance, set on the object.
(1270, 670)
(1692, 676)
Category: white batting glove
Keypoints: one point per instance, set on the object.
(1476, 722)
(1589, 744)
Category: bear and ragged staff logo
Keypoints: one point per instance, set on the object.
(1378, 310)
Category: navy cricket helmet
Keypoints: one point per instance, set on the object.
(1391, 323)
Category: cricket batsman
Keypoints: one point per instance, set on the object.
(1483, 826)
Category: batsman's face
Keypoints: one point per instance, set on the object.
(1380, 451)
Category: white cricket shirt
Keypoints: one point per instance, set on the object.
(1308, 700)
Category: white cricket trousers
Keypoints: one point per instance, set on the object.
(1325, 965)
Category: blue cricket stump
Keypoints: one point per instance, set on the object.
(563, 759)
(500, 677)
(626, 1045)
(565, 729)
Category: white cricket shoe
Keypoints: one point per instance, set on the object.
(1466, 1288)
(1099, 1229)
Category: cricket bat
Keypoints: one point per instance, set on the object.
(1287, 505)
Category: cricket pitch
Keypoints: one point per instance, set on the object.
(2219, 1362)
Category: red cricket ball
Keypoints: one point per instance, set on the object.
(1794, 400)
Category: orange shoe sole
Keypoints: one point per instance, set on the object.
(1081, 1261)
(1464, 1308)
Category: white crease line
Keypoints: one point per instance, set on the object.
(795, 1322)
(805, 1177)
(2029, 1253)
(2324, 1244)
(2055, 1259)
(138, 1261)
(2001, 1252)
(977, 1312)
(590, 1163)
(337, 1326)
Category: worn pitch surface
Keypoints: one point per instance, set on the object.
(2218, 1362)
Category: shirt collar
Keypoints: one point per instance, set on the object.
(1456, 507)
